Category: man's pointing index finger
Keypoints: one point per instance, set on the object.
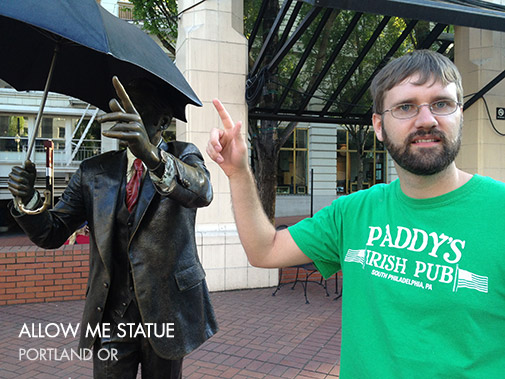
(223, 114)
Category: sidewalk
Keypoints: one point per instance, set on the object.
(261, 336)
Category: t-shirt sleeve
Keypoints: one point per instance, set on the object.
(319, 239)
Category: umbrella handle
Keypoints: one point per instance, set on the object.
(45, 205)
(48, 192)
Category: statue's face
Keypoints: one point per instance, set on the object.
(155, 122)
(153, 112)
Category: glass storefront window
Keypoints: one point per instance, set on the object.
(370, 139)
(13, 133)
(301, 139)
(289, 144)
(374, 167)
(14, 136)
(380, 167)
(292, 177)
(51, 128)
(301, 172)
(11, 126)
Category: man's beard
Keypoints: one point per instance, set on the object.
(424, 161)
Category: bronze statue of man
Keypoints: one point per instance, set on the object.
(144, 268)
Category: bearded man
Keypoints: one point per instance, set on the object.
(422, 257)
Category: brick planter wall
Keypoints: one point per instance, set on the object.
(29, 274)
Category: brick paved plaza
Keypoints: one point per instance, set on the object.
(261, 336)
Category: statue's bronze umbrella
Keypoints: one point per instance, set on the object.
(75, 47)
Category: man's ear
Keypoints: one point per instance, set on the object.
(165, 122)
(377, 126)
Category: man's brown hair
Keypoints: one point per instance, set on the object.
(428, 65)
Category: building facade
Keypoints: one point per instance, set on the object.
(318, 163)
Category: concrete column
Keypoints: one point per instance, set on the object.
(212, 55)
(479, 56)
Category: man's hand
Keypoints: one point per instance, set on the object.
(129, 127)
(263, 245)
(226, 146)
(21, 181)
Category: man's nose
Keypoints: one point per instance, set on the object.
(425, 119)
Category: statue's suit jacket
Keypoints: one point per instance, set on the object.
(169, 280)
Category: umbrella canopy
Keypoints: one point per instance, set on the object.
(93, 45)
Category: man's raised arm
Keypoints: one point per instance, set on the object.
(264, 246)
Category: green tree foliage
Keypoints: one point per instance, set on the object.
(159, 17)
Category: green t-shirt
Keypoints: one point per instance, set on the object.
(424, 280)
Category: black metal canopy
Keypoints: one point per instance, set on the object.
(314, 60)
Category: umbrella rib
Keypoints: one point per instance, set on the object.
(56, 38)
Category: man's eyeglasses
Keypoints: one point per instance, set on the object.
(438, 108)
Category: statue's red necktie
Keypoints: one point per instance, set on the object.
(133, 186)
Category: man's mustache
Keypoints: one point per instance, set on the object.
(422, 133)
